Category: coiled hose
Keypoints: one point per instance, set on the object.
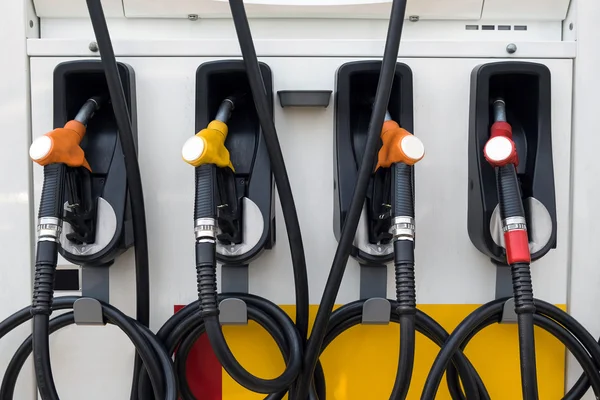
(548, 317)
(384, 87)
(151, 351)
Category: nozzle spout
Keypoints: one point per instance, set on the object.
(86, 112)
(499, 110)
(225, 109)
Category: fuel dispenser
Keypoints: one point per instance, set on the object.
(92, 211)
(386, 231)
(512, 219)
(233, 222)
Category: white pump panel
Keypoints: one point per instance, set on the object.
(538, 10)
(75, 8)
(424, 9)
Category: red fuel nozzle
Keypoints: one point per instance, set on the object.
(500, 149)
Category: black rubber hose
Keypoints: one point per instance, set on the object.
(452, 345)
(403, 198)
(550, 315)
(384, 87)
(509, 192)
(562, 334)
(251, 382)
(41, 361)
(527, 355)
(581, 334)
(51, 204)
(511, 206)
(51, 209)
(187, 343)
(134, 177)
(152, 352)
(406, 358)
(204, 201)
(209, 310)
(18, 360)
(132, 168)
(578, 351)
(350, 315)
(406, 308)
(188, 320)
(278, 167)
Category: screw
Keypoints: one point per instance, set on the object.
(571, 26)
(193, 17)
(413, 18)
(511, 48)
(31, 24)
(93, 47)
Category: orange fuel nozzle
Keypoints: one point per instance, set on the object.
(399, 146)
(61, 146)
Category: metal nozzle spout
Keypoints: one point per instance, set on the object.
(228, 105)
(499, 110)
(89, 108)
(225, 109)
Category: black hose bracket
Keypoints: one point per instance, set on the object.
(504, 290)
(373, 288)
(234, 279)
(95, 285)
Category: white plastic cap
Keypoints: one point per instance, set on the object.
(192, 149)
(498, 149)
(40, 148)
(412, 147)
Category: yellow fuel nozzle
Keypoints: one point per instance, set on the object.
(208, 145)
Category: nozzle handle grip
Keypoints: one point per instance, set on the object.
(52, 200)
(206, 186)
(509, 192)
(403, 197)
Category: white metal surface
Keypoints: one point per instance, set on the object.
(96, 362)
(584, 295)
(425, 9)
(312, 29)
(15, 182)
(450, 270)
(304, 48)
(75, 8)
(553, 10)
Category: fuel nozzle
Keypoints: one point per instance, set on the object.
(61, 146)
(208, 145)
(500, 149)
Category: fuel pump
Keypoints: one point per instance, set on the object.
(90, 204)
(399, 152)
(510, 162)
(219, 197)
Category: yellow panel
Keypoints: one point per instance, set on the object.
(361, 363)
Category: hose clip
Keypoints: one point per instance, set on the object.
(205, 228)
(403, 228)
(49, 229)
